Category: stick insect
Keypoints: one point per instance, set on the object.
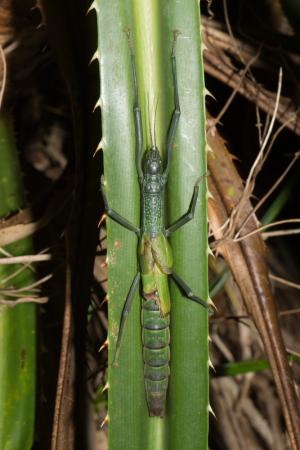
(154, 251)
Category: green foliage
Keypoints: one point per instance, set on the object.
(251, 366)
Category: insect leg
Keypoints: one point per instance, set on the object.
(187, 290)
(136, 112)
(125, 312)
(189, 215)
(116, 216)
(176, 112)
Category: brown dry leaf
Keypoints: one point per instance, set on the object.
(63, 432)
(23, 43)
(247, 262)
(218, 63)
(6, 20)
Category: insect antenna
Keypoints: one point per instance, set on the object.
(149, 121)
(154, 121)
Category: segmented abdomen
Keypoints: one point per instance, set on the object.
(156, 353)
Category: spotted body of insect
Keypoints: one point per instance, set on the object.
(154, 254)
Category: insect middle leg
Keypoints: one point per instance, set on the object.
(189, 215)
(116, 216)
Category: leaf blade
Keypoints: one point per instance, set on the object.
(151, 25)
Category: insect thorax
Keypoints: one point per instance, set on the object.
(152, 191)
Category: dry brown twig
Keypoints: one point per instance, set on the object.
(285, 283)
(12, 297)
(219, 44)
(269, 225)
(21, 225)
(30, 287)
(229, 228)
(22, 300)
(256, 167)
(245, 255)
(25, 259)
(290, 232)
(4, 75)
(234, 92)
(270, 191)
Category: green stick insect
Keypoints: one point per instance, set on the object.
(154, 252)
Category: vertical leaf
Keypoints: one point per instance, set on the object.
(17, 325)
(151, 25)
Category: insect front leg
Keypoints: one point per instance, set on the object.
(116, 216)
(136, 112)
(176, 113)
(125, 312)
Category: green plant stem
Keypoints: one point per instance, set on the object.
(17, 325)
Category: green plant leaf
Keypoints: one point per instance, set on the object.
(151, 26)
(17, 325)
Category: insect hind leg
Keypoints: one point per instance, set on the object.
(125, 312)
(188, 291)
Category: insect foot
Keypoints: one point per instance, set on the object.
(176, 33)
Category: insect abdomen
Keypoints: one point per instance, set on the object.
(156, 353)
